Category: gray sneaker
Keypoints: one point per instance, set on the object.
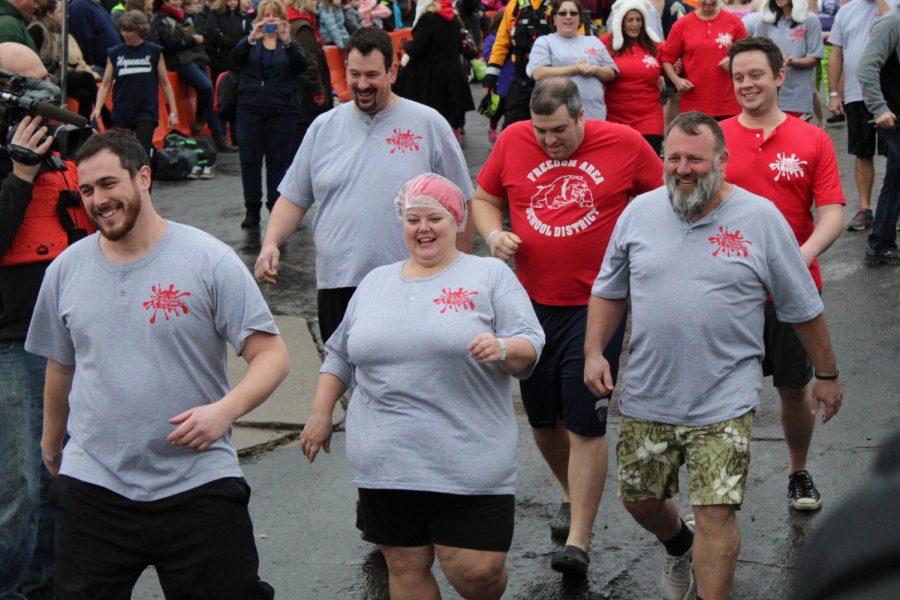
(208, 172)
(884, 257)
(677, 579)
(861, 221)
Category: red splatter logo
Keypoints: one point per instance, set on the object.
(592, 52)
(798, 33)
(168, 301)
(730, 243)
(403, 141)
(459, 299)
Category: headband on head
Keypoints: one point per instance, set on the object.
(622, 8)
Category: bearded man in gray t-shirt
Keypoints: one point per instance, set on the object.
(698, 257)
(134, 322)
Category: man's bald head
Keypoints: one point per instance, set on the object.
(22, 60)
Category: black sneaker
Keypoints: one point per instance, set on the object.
(884, 257)
(836, 118)
(802, 491)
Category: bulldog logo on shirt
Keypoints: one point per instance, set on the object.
(456, 299)
(404, 141)
(724, 40)
(730, 243)
(167, 300)
(565, 190)
(788, 166)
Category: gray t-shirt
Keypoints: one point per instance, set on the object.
(697, 297)
(352, 166)
(804, 39)
(425, 415)
(851, 29)
(148, 341)
(554, 50)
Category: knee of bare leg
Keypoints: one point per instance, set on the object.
(482, 579)
(641, 509)
(402, 562)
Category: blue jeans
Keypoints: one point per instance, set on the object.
(26, 517)
(884, 229)
(197, 78)
(264, 134)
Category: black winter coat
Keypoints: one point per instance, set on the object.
(223, 31)
(271, 87)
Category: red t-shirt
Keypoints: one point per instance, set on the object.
(794, 167)
(632, 98)
(565, 210)
(702, 45)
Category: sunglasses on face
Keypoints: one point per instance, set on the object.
(567, 13)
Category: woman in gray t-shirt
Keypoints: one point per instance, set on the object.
(428, 346)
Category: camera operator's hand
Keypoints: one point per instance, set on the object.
(28, 135)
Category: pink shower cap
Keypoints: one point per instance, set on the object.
(430, 190)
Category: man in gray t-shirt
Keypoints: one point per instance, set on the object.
(134, 322)
(698, 258)
(351, 165)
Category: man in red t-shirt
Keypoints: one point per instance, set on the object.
(793, 164)
(702, 39)
(565, 181)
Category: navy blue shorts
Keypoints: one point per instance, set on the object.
(556, 387)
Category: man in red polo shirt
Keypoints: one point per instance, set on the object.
(565, 181)
(793, 164)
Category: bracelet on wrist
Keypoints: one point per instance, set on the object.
(502, 344)
(491, 236)
(834, 94)
(826, 377)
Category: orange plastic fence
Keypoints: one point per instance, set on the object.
(185, 102)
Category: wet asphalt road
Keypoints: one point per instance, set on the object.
(303, 514)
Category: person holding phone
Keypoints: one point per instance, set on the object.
(268, 97)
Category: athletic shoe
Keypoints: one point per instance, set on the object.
(208, 172)
(195, 172)
(802, 491)
(492, 135)
(885, 257)
(837, 118)
(863, 219)
(559, 525)
(677, 579)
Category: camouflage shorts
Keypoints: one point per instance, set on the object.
(717, 458)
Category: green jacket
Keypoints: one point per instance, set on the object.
(12, 26)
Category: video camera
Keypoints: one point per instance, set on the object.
(22, 96)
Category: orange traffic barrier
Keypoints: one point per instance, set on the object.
(185, 102)
(398, 36)
(335, 58)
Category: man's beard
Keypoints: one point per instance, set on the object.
(131, 210)
(689, 204)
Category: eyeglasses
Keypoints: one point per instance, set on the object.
(567, 13)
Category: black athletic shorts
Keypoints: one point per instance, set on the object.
(201, 542)
(332, 304)
(555, 389)
(410, 518)
(861, 135)
(786, 360)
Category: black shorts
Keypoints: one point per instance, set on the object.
(201, 542)
(410, 518)
(332, 304)
(861, 135)
(555, 389)
(786, 360)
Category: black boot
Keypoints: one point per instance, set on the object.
(251, 221)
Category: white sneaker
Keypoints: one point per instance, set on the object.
(208, 172)
(677, 579)
(195, 172)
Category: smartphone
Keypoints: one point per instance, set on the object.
(269, 27)
(188, 30)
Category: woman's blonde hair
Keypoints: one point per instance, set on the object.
(270, 6)
(307, 6)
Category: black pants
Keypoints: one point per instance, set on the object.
(143, 131)
(200, 541)
(518, 101)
